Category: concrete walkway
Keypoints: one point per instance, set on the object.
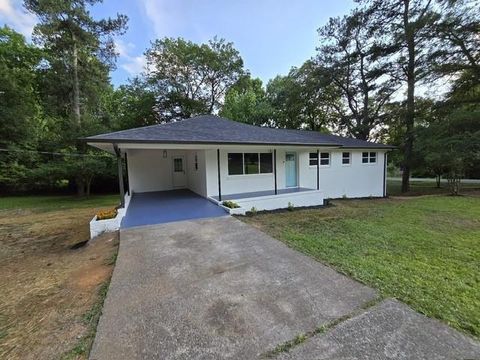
(219, 289)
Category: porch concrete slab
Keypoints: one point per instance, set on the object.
(389, 330)
(246, 195)
(160, 207)
(215, 288)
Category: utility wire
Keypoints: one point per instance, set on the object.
(55, 153)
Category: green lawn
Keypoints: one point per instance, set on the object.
(424, 251)
(48, 203)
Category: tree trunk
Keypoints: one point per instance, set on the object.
(88, 186)
(410, 110)
(438, 180)
(76, 85)
(80, 182)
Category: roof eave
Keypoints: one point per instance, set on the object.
(145, 141)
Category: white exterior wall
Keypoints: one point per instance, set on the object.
(196, 177)
(336, 180)
(235, 184)
(149, 171)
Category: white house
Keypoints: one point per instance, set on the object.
(256, 167)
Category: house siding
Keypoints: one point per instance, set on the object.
(336, 180)
(149, 171)
(352, 181)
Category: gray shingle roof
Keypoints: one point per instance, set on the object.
(211, 129)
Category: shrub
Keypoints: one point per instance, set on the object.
(230, 204)
(290, 206)
(106, 214)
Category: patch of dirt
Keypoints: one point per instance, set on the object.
(46, 286)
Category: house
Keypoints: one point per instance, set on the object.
(256, 167)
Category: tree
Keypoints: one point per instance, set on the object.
(79, 54)
(129, 106)
(19, 106)
(190, 79)
(246, 102)
(304, 99)
(410, 24)
(354, 55)
(456, 41)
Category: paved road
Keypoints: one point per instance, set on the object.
(219, 289)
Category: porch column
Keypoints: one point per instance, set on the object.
(120, 175)
(219, 181)
(275, 169)
(126, 174)
(318, 169)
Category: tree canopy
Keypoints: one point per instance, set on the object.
(374, 76)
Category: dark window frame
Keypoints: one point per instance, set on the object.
(259, 164)
(313, 160)
(325, 160)
(238, 166)
(348, 158)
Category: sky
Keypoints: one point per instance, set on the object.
(271, 35)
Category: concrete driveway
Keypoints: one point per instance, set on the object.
(219, 289)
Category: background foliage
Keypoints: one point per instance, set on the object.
(404, 72)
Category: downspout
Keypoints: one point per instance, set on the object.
(219, 180)
(318, 169)
(120, 175)
(126, 173)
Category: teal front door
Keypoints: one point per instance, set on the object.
(291, 169)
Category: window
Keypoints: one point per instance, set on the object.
(325, 158)
(369, 157)
(313, 159)
(235, 163)
(266, 163)
(250, 163)
(177, 164)
(345, 158)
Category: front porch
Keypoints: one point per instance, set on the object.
(271, 199)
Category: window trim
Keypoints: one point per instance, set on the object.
(329, 159)
(369, 157)
(259, 173)
(309, 159)
(349, 158)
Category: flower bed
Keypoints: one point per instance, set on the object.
(106, 221)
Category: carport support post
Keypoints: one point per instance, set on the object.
(120, 175)
(219, 181)
(318, 169)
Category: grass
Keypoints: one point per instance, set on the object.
(49, 203)
(90, 319)
(52, 293)
(424, 251)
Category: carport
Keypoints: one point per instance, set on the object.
(168, 206)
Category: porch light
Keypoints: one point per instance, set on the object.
(164, 154)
